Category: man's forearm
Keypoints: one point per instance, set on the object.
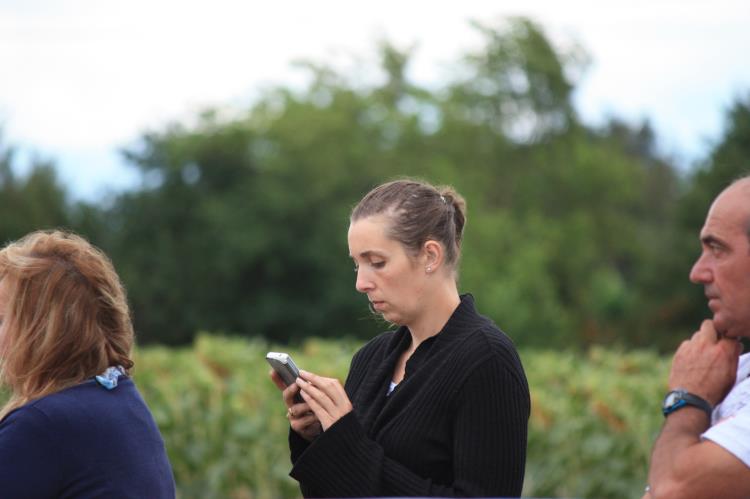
(682, 429)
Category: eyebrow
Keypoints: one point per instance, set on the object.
(369, 253)
(709, 239)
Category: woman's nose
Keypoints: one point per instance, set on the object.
(363, 284)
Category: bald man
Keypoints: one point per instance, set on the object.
(703, 450)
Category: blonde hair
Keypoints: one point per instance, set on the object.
(66, 316)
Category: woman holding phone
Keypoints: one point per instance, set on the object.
(437, 407)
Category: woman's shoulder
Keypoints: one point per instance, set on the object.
(26, 419)
(52, 410)
(494, 339)
(486, 342)
(481, 333)
(478, 331)
(499, 352)
(86, 398)
(90, 411)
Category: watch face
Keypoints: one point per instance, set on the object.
(674, 397)
(670, 399)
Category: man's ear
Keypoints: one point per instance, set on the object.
(434, 255)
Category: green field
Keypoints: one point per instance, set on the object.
(594, 417)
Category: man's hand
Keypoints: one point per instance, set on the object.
(706, 365)
(682, 465)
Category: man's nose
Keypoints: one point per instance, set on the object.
(701, 272)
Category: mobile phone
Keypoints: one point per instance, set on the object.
(283, 364)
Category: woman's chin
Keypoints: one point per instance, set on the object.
(391, 317)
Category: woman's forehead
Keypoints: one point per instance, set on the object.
(374, 226)
(370, 235)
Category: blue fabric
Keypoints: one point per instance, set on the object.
(84, 441)
(109, 378)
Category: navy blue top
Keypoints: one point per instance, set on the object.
(84, 441)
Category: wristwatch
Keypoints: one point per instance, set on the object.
(679, 398)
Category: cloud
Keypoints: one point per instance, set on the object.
(85, 74)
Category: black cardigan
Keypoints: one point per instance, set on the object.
(456, 425)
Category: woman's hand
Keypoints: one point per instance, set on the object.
(302, 420)
(325, 397)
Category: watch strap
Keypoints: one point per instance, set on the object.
(682, 398)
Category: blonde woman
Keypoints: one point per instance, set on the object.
(75, 425)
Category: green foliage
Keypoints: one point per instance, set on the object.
(241, 223)
(576, 235)
(518, 83)
(221, 417)
(594, 420)
(594, 416)
(34, 201)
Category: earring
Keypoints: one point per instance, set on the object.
(428, 269)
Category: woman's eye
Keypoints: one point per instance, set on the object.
(378, 265)
(356, 269)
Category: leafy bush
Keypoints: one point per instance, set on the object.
(594, 419)
(594, 416)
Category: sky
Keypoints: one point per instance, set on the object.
(82, 79)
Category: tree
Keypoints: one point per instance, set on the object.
(727, 160)
(32, 201)
(240, 224)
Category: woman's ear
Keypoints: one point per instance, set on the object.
(433, 255)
